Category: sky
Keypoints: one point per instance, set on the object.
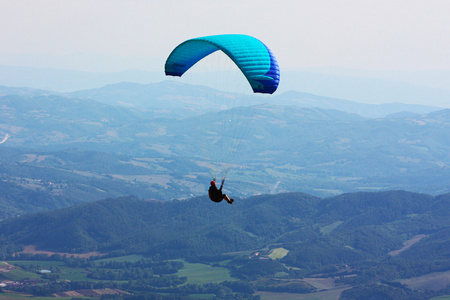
(115, 35)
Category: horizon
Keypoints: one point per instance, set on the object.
(362, 86)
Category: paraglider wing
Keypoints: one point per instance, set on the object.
(252, 57)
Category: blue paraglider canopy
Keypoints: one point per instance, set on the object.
(252, 57)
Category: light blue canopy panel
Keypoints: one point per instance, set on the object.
(252, 57)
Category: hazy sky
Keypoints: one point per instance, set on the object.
(119, 34)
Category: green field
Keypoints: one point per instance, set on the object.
(41, 264)
(278, 253)
(433, 281)
(65, 273)
(329, 228)
(74, 274)
(127, 258)
(201, 273)
(19, 274)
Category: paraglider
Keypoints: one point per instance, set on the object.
(259, 67)
(251, 56)
(216, 195)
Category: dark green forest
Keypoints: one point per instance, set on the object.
(356, 239)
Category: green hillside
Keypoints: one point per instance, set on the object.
(368, 241)
(369, 226)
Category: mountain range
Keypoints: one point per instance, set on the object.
(369, 87)
(78, 148)
(166, 95)
(319, 192)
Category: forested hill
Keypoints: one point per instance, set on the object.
(318, 232)
(195, 226)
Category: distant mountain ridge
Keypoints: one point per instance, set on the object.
(376, 88)
(166, 95)
(366, 110)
